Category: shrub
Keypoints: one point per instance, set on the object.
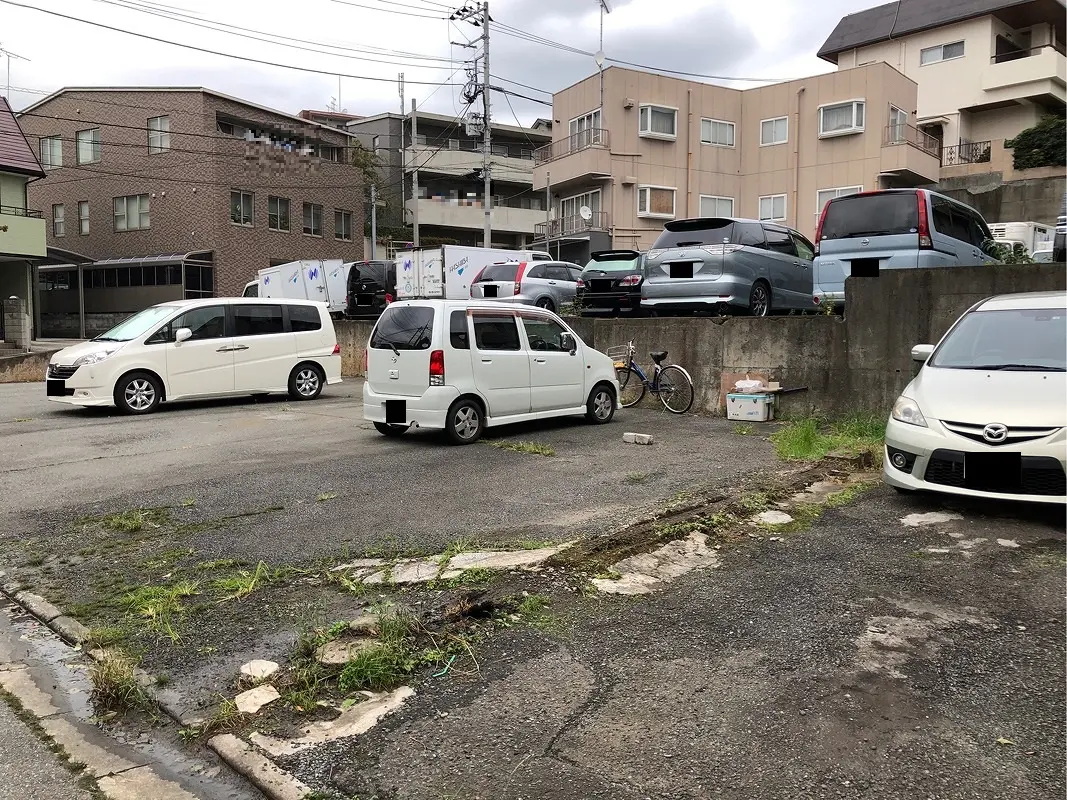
(1043, 145)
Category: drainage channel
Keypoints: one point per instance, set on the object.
(128, 758)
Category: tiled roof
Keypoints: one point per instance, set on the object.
(16, 155)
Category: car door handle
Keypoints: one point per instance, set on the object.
(225, 350)
(487, 361)
(551, 283)
(240, 347)
(541, 360)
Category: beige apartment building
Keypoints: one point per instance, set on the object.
(985, 69)
(641, 149)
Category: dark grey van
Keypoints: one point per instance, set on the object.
(862, 234)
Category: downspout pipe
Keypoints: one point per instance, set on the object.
(796, 164)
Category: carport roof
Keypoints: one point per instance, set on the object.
(203, 256)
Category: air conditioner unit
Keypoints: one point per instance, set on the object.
(629, 102)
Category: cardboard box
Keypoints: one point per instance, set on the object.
(750, 407)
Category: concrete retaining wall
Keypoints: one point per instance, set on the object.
(24, 368)
(861, 362)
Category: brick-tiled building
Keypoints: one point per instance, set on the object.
(173, 192)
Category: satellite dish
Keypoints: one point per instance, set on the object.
(586, 213)
(599, 58)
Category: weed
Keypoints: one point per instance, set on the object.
(474, 577)
(742, 430)
(753, 501)
(535, 544)
(104, 637)
(324, 496)
(167, 557)
(189, 733)
(242, 583)
(534, 611)
(115, 685)
(225, 718)
(23, 419)
(162, 679)
(676, 530)
(160, 604)
(638, 477)
(533, 448)
(35, 560)
(378, 668)
(532, 604)
(137, 519)
(352, 585)
(807, 440)
(394, 625)
(188, 502)
(609, 575)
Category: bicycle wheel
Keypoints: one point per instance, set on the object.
(631, 387)
(675, 390)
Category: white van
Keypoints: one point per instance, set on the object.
(207, 347)
(461, 366)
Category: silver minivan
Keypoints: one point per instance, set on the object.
(862, 234)
(545, 284)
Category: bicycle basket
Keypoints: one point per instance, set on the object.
(619, 354)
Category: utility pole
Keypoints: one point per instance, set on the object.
(486, 134)
(373, 221)
(403, 152)
(414, 176)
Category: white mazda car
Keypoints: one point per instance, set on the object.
(987, 414)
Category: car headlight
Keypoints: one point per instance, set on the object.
(907, 411)
(95, 358)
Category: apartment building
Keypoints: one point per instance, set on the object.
(180, 192)
(985, 69)
(448, 156)
(651, 148)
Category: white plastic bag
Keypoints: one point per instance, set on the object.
(748, 386)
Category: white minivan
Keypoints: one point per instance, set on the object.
(461, 366)
(208, 347)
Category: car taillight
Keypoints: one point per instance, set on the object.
(630, 280)
(366, 363)
(818, 228)
(816, 299)
(346, 296)
(925, 242)
(580, 284)
(518, 277)
(478, 277)
(336, 350)
(388, 298)
(437, 368)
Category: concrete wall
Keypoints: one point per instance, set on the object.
(861, 362)
(1031, 199)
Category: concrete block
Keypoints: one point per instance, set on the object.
(70, 629)
(274, 782)
(38, 606)
(637, 438)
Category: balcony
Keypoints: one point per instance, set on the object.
(969, 153)
(1037, 73)
(569, 226)
(909, 155)
(22, 232)
(580, 158)
(460, 158)
(449, 213)
(590, 137)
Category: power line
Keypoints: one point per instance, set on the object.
(388, 10)
(506, 92)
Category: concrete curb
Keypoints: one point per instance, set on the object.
(241, 757)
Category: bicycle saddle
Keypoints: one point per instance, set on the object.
(658, 356)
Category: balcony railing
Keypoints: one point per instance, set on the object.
(467, 146)
(590, 137)
(909, 134)
(15, 211)
(968, 153)
(1015, 55)
(566, 226)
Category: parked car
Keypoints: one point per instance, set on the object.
(462, 366)
(251, 289)
(985, 415)
(545, 284)
(611, 282)
(371, 287)
(862, 234)
(722, 263)
(207, 347)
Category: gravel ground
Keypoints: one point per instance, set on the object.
(859, 659)
(28, 769)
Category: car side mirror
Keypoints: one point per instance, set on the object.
(921, 352)
(568, 343)
(182, 334)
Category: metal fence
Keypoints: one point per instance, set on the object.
(966, 153)
(590, 137)
(565, 226)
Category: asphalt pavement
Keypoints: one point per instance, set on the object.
(28, 769)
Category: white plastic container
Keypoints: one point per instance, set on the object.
(750, 407)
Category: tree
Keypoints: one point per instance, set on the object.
(1042, 145)
(1015, 254)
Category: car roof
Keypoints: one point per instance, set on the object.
(259, 301)
(478, 305)
(1023, 301)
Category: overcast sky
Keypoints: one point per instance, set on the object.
(770, 39)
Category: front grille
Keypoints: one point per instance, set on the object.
(945, 468)
(1039, 475)
(60, 373)
(1043, 476)
(1016, 435)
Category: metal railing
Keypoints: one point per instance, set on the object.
(1025, 52)
(967, 153)
(590, 137)
(15, 211)
(909, 134)
(469, 146)
(565, 226)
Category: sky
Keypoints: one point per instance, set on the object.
(362, 40)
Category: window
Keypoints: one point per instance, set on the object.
(772, 207)
(841, 118)
(83, 217)
(898, 124)
(59, 220)
(717, 132)
(658, 122)
(558, 273)
(208, 322)
(158, 135)
(711, 206)
(586, 130)
(278, 213)
(570, 210)
(312, 219)
(941, 52)
(774, 131)
(52, 152)
(342, 225)
(655, 201)
(405, 328)
(545, 334)
(304, 318)
(824, 196)
(804, 248)
(88, 146)
(241, 207)
(883, 213)
(257, 320)
(199, 281)
(132, 212)
(779, 241)
(457, 331)
(495, 332)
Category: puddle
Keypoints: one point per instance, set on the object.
(647, 572)
(420, 570)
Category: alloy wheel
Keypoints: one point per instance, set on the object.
(140, 394)
(467, 422)
(759, 300)
(602, 404)
(307, 382)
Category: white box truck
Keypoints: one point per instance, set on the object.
(317, 279)
(447, 272)
(1031, 235)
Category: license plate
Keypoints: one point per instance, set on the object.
(865, 267)
(489, 291)
(55, 388)
(993, 472)
(682, 270)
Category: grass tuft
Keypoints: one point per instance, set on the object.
(115, 685)
(475, 577)
(809, 440)
(242, 583)
(638, 477)
(137, 519)
(159, 605)
(533, 448)
(324, 496)
(225, 718)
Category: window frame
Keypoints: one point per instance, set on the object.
(597, 113)
(650, 134)
(251, 208)
(147, 212)
(715, 197)
(941, 48)
(772, 197)
(59, 220)
(48, 163)
(162, 135)
(713, 122)
(645, 187)
(339, 214)
(304, 227)
(277, 200)
(855, 102)
(901, 135)
(94, 146)
(83, 229)
(283, 316)
(774, 143)
(496, 316)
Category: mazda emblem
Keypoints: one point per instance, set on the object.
(995, 433)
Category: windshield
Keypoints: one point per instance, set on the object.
(499, 272)
(621, 264)
(1030, 339)
(367, 271)
(138, 325)
(403, 328)
(871, 215)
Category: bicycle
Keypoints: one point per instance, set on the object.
(670, 383)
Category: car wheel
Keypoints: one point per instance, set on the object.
(390, 430)
(465, 422)
(759, 300)
(305, 382)
(601, 405)
(138, 393)
(546, 303)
